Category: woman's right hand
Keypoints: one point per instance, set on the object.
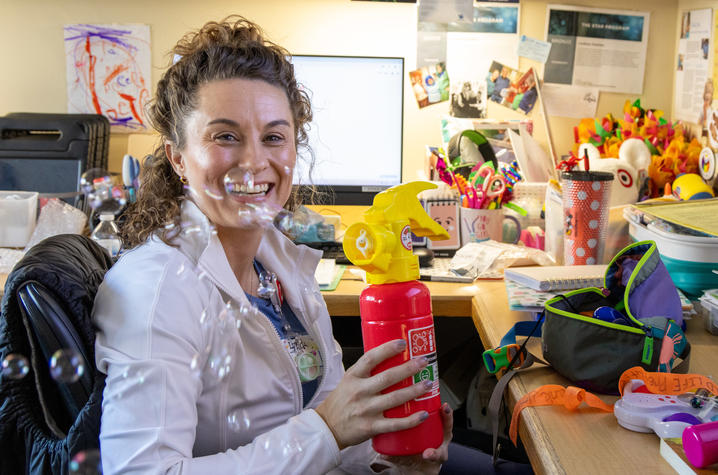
(354, 409)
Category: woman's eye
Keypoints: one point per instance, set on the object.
(274, 138)
(225, 137)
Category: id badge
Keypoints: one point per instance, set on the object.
(305, 354)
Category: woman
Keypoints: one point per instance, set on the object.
(209, 369)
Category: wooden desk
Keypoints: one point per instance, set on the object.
(589, 441)
(448, 299)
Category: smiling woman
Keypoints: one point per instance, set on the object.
(214, 337)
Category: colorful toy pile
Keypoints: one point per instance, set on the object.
(673, 152)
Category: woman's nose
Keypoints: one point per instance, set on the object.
(253, 157)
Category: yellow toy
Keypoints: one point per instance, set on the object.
(690, 186)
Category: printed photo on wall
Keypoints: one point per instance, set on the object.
(430, 84)
(468, 99)
(512, 88)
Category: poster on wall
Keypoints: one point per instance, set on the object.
(108, 72)
(597, 48)
(461, 35)
(694, 88)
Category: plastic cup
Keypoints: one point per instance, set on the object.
(586, 197)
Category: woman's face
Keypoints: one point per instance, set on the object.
(244, 126)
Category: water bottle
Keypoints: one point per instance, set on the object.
(107, 235)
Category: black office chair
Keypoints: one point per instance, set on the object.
(47, 306)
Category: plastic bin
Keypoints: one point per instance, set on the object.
(690, 260)
(18, 214)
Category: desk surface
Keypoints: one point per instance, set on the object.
(448, 299)
(558, 441)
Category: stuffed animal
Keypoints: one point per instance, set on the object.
(629, 169)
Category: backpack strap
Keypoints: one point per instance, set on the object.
(498, 359)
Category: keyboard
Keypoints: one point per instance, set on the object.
(330, 250)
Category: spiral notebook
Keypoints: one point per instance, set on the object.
(549, 278)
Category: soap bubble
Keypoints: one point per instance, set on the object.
(15, 366)
(238, 421)
(205, 318)
(86, 462)
(103, 193)
(284, 221)
(288, 170)
(292, 447)
(214, 194)
(239, 183)
(66, 366)
(239, 180)
(220, 363)
(195, 365)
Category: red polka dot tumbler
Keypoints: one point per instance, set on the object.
(586, 195)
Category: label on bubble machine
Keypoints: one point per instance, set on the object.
(422, 342)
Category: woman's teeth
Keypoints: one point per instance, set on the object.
(250, 189)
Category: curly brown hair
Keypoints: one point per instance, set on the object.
(232, 48)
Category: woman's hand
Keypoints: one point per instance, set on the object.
(428, 462)
(354, 410)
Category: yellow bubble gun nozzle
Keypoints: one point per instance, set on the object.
(381, 244)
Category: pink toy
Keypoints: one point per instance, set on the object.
(667, 416)
(700, 442)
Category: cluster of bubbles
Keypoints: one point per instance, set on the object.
(102, 190)
(66, 366)
(103, 193)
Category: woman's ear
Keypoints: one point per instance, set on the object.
(175, 158)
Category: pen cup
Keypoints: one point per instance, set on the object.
(478, 224)
(586, 196)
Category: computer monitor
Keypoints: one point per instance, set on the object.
(357, 128)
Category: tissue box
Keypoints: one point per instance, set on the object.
(18, 213)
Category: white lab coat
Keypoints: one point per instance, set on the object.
(163, 340)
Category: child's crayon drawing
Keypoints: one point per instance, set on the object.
(108, 72)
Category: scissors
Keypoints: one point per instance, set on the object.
(492, 187)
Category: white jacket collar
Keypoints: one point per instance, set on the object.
(200, 243)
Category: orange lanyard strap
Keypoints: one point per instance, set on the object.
(571, 397)
(555, 395)
(671, 384)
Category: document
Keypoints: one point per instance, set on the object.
(570, 101)
(693, 96)
(598, 48)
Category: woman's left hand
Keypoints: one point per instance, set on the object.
(428, 462)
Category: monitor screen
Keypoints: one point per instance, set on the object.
(357, 125)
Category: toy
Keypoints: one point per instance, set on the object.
(700, 443)
(667, 416)
(690, 186)
(630, 171)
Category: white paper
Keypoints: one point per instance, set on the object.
(598, 48)
(693, 68)
(532, 48)
(569, 101)
(108, 72)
